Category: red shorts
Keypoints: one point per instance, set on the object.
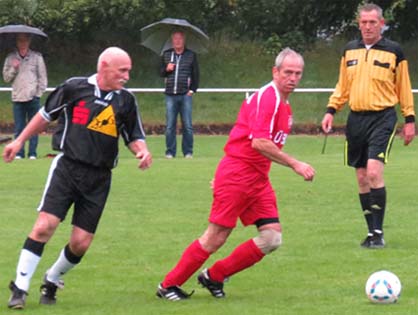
(241, 192)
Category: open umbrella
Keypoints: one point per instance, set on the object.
(157, 36)
(8, 35)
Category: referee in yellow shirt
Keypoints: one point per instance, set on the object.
(373, 79)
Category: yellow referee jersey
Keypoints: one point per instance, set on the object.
(373, 79)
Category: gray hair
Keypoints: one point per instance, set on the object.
(368, 7)
(178, 30)
(287, 52)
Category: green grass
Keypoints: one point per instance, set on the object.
(152, 216)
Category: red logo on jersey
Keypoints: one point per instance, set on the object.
(81, 113)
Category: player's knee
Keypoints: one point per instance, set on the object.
(374, 176)
(42, 230)
(268, 240)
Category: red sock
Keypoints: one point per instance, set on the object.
(192, 259)
(244, 256)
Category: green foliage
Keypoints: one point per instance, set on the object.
(17, 11)
(80, 24)
(403, 14)
(273, 44)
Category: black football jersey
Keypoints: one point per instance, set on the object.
(90, 121)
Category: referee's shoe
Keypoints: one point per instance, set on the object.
(377, 241)
(374, 240)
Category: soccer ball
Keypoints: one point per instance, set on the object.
(383, 287)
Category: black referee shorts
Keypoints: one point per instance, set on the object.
(369, 135)
(71, 182)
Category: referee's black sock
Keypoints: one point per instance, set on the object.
(367, 212)
(378, 205)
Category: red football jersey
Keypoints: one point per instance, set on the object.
(262, 115)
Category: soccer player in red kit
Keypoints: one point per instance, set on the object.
(241, 188)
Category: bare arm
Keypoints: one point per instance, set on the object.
(140, 150)
(272, 152)
(35, 126)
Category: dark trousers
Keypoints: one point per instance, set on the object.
(179, 104)
(22, 114)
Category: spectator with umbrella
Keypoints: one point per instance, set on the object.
(180, 68)
(25, 70)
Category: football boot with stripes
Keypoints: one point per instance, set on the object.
(174, 293)
(215, 288)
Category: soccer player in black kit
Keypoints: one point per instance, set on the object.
(91, 112)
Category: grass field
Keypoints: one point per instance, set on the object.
(151, 216)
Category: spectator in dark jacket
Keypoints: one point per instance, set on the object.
(180, 69)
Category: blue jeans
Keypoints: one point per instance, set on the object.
(22, 114)
(176, 104)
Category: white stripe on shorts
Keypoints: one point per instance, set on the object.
(48, 181)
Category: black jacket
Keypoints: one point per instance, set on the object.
(185, 76)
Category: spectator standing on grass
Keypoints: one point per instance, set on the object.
(92, 113)
(180, 69)
(242, 188)
(373, 79)
(26, 70)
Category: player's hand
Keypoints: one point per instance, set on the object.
(305, 170)
(10, 151)
(212, 184)
(327, 122)
(145, 159)
(408, 133)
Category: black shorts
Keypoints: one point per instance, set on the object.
(71, 182)
(369, 136)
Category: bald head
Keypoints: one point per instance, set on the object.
(111, 54)
(113, 68)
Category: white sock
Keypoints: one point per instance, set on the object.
(26, 267)
(60, 267)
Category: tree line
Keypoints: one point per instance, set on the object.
(275, 23)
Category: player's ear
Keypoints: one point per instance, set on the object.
(382, 21)
(103, 64)
(275, 71)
